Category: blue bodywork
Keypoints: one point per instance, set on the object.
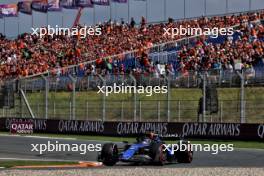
(128, 154)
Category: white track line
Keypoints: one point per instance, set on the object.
(10, 135)
(248, 149)
(39, 137)
(46, 137)
(61, 138)
(32, 159)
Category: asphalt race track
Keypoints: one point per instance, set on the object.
(19, 148)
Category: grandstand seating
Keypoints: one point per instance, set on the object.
(53, 58)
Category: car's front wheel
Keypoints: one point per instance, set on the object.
(158, 154)
(109, 154)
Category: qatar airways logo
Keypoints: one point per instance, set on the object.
(22, 128)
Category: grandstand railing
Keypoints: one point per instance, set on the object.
(147, 110)
(209, 16)
(190, 79)
(70, 97)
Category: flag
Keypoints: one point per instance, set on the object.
(24, 7)
(120, 1)
(68, 4)
(54, 5)
(40, 5)
(101, 2)
(8, 10)
(84, 3)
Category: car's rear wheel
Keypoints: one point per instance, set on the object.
(158, 154)
(109, 154)
(185, 156)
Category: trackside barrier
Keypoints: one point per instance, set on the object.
(232, 131)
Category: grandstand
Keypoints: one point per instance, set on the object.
(38, 57)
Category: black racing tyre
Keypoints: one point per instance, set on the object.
(157, 153)
(109, 154)
(184, 156)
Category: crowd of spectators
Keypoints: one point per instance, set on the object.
(29, 54)
(247, 52)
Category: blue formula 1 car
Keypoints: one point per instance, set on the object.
(146, 150)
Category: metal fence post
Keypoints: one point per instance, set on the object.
(104, 97)
(184, 9)
(204, 96)
(226, 10)
(89, 78)
(188, 81)
(54, 109)
(220, 77)
(168, 99)
(221, 111)
(159, 53)
(135, 96)
(70, 110)
(73, 97)
(179, 110)
(242, 97)
(4, 25)
(87, 110)
(122, 111)
(158, 110)
(38, 110)
(245, 103)
(46, 95)
(20, 98)
(165, 10)
(205, 7)
(140, 111)
(25, 86)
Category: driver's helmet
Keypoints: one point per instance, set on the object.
(151, 135)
